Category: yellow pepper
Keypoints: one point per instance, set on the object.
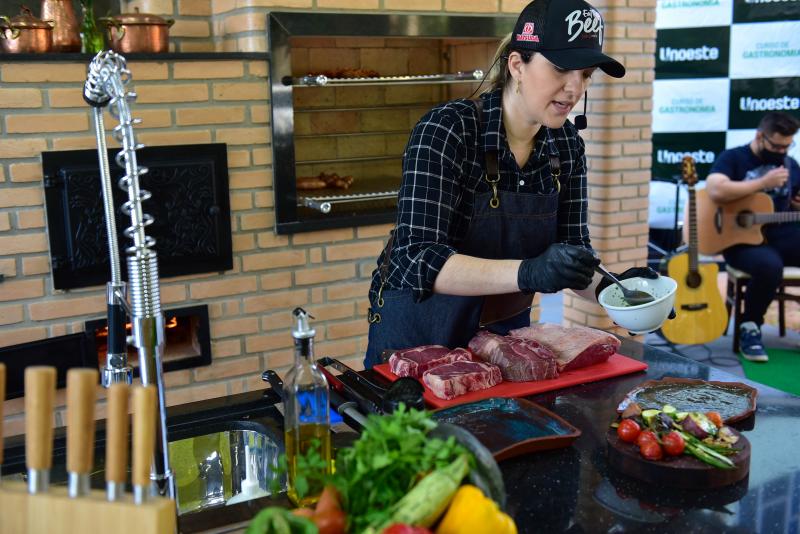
(471, 512)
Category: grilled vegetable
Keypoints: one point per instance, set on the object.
(471, 512)
(631, 411)
(649, 416)
(715, 418)
(699, 425)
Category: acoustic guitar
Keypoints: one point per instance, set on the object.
(738, 222)
(700, 313)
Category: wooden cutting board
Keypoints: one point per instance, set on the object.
(616, 365)
(677, 471)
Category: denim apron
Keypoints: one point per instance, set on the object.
(504, 225)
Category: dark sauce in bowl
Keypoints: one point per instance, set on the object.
(731, 401)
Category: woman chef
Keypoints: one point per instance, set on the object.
(493, 202)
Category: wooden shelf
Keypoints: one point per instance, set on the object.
(168, 56)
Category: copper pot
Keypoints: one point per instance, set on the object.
(25, 34)
(66, 34)
(138, 32)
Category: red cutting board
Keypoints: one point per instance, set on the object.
(616, 365)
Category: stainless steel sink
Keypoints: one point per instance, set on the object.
(210, 461)
(232, 463)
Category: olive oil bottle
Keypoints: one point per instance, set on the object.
(306, 409)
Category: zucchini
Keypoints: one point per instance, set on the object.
(649, 416)
(426, 501)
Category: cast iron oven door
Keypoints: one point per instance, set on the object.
(190, 204)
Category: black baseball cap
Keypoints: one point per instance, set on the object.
(569, 34)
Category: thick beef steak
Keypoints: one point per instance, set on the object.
(414, 362)
(519, 360)
(453, 379)
(574, 347)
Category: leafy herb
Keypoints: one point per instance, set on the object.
(392, 454)
(276, 520)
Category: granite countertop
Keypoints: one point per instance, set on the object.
(573, 489)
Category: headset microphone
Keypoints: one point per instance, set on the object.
(580, 120)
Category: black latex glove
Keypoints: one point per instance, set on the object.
(559, 267)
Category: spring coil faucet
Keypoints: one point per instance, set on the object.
(105, 86)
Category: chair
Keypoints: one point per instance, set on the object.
(737, 283)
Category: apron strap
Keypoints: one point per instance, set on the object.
(490, 158)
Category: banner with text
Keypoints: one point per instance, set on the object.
(720, 65)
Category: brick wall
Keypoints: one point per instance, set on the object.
(619, 148)
(227, 101)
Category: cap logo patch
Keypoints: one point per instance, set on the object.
(585, 23)
(527, 33)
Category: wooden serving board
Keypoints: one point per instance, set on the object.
(682, 471)
(616, 365)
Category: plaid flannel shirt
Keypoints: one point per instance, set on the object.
(443, 170)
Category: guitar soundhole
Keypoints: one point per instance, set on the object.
(745, 219)
(693, 280)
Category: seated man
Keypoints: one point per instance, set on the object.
(762, 165)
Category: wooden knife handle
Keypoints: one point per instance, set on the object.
(117, 433)
(40, 392)
(81, 396)
(144, 433)
(2, 403)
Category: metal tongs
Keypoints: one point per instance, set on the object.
(375, 398)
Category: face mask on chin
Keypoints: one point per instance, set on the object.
(771, 158)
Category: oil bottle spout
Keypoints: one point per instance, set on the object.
(302, 329)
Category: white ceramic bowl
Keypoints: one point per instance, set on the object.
(645, 317)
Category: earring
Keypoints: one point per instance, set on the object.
(519, 84)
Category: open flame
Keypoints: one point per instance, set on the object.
(128, 327)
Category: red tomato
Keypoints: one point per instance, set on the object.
(651, 450)
(673, 444)
(331, 521)
(628, 430)
(398, 528)
(715, 418)
(646, 436)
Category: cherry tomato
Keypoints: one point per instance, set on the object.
(628, 430)
(646, 436)
(673, 444)
(331, 521)
(651, 450)
(715, 418)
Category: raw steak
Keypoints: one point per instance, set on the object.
(520, 360)
(453, 379)
(574, 347)
(414, 362)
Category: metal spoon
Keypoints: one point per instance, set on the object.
(634, 297)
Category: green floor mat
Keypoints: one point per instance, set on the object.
(782, 371)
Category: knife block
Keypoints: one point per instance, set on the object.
(55, 513)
